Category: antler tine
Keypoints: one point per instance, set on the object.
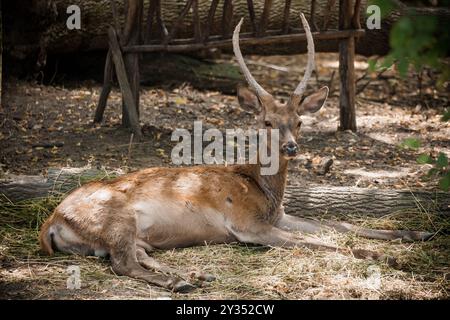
(310, 66)
(248, 76)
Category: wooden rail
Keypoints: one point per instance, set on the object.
(185, 45)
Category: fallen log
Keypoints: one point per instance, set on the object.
(174, 68)
(304, 200)
(310, 200)
(44, 32)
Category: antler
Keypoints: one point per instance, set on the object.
(298, 92)
(248, 76)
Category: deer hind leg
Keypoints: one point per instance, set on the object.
(121, 238)
(150, 263)
(292, 223)
(275, 237)
(125, 262)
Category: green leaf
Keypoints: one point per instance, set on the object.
(420, 41)
(442, 160)
(372, 65)
(432, 172)
(446, 115)
(412, 143)
(424, 158)
(387, 62)
(444, 183)
(403, 65)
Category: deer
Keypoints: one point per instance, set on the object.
(161, 208)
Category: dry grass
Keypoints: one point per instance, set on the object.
(244, 272)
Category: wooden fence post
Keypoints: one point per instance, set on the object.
(132, 36)
(127, 94)
(346, 69)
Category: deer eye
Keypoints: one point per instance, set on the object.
(299, 124)
(268, 124)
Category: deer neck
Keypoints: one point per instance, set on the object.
(273, 186)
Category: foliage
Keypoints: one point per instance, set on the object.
(411, 143)
(440, 168)
(386, 6)
(446, 115)
(417, 41)
(440, 164)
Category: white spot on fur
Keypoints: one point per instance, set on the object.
(102, 195)
(124, 186)
(188, 184)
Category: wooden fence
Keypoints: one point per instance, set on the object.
(127, 42)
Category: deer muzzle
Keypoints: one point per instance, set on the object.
(290, 149)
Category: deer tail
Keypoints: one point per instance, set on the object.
(45, 238)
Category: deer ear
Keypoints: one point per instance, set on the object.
(247, 99)
(314, 102)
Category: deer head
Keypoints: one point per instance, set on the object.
(273, 114)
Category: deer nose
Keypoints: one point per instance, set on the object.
(291, 148)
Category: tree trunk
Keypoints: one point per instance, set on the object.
(44, 31)
(346, 70)
(299, 199)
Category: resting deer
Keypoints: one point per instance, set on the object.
(164, 208)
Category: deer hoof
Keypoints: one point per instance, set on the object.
(391, 261)
(207, 277)
(424, 236)
(183, 287)
(411, 236)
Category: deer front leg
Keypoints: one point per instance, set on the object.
(293, 223)
(275, 237)
(269, 235)
(404, 235)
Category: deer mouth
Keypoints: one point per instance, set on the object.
(289, 150)
(290, 155)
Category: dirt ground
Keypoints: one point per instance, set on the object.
(389, 110)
